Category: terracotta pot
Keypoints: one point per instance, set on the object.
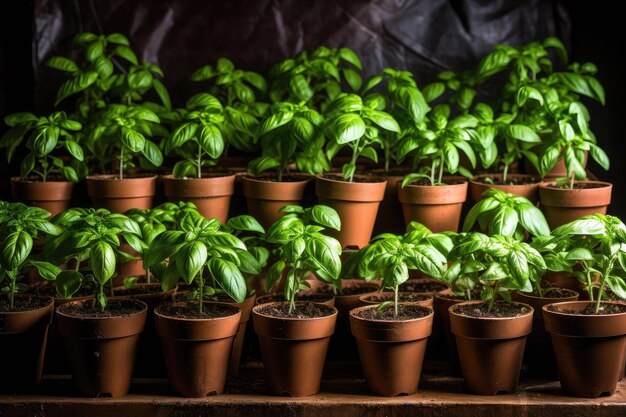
(443, 302)
(266, 197)
(293, 350)
(490, 349)
(564, 280)
(594, 343)
(246, 310)
(559, 170)
(197, 351)
(391, 351)
(562, 205)
(101, 351)
(357, 204)
(210, 194)
(119, 196)
(529, 190)
(22, 345)
(538, 353)
(388, 219)
(381, 297)
(436, 207)
(53, 196)
(342, 344)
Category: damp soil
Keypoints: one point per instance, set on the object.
(590, 309)
(138, 290)
(91, 309)
(274, 178)
(115, 177)
(191, 311)
(501, 309)
(578, 186)
(556, 293)
(405, 312)
(303, 310)
(347, 291)
(426, 182)
(313, 298)
(23, 302)
(357, 178)
(51, 178)
(406, 297)
(423, 287)
(510, 181)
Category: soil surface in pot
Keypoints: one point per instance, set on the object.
(364, 179)
(139, 290)
(556, 293)
(304, 310)
(509, 181)
(430, 286)
(274, 178)
(190, 311)
(590, 310)
(345, 291)
(404, 297)
(51, 178)
(115, 177)
(426, 182)
(315, 298)
(499, 310)
(23, 303)
(405, 312)
(116, 308)
(577, 186)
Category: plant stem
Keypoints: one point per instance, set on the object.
(433, 168)
(468, 294)
(201, 288)
(589, 285)
(12, 295)
(280, 173)
(440, 171)
(492, 302)
(101, 295)
(148, 279)
(505, 173)
(355, 154)
(571, 181)
(122, 162)
(387, 157)
(199, 163)
(605, 275)
(395, 301)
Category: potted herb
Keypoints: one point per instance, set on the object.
(424, 196)
(45, 180)
(199, 141)
(123, 130)
(391, 337)
(290, 134)
(100, 334)
(490, 335)
(24, 318)
(290, 331)
(506, 214)
(592, 333)
(356, 124)
(197, 336)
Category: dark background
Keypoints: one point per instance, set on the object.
(423, 36)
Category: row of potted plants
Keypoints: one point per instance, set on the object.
(207, 262)
(312, 112)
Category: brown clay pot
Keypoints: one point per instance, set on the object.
(22, 345)
(436, 207)
(266, 197)
(357, 204)
(589, 349)
(443, 302)
(538, 353)
(53, 196)
(101, 351)
(388, 219)
(529, 190)
(562, 205)
(490, 349)
(381, 297)
(119, 196)
(391, 351)
(197, 351)
(342, 344)
(559, 170)
(564, 280)
(293, 350)
(211, 194)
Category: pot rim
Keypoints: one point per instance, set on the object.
(225, 174)
(196, 320)
(564, 314)
(355, 311)
(458, 184)
(11, 313)
(143, 310)
(256, 308)
(377, 179)
(113, 177)
(549, 185)
(301, 176)
(455, 306)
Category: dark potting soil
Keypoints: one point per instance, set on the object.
(405, 312)
(402, 297)
(115, 177)
(557, 293)
(220, 298)
(426, 182)
(274, 178)
(577, 186)
(509, 181)
(347, 291)
(91, 309)
(590, 310)
(138, 290)
(51, 178)
(303, 310)
(500, 310)
(190, 310)
(428, 286)
(23, 302)
(314, 298)
(361, 179)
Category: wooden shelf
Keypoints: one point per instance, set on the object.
(343, 393)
